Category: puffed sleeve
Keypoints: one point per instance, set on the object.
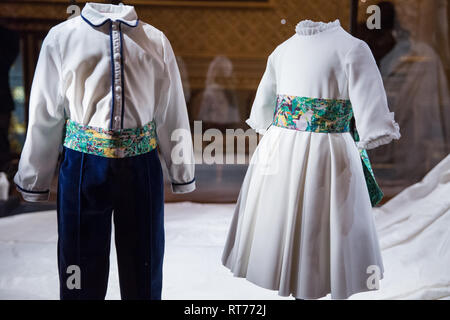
(45, 126)
(261, 115)
(375, 124)
(172, 126)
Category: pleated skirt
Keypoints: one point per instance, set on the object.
(303, 223)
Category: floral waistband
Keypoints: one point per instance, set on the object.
(312, 114)
(115, 143)
(326, 116)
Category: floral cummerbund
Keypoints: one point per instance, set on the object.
(325, 116)
(110, 143)
(312, 114)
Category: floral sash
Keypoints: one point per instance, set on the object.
(115, 143)
(324, 116)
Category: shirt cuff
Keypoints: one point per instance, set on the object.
(382, 137)
(33, 196)
(183, 187)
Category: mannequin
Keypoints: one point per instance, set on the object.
(110, 166)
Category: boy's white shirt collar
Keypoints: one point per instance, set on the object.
(97, 14)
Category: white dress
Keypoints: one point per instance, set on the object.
(106, 70)
(303, 223)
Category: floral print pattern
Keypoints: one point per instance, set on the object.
(116, 143)
(312, 114)
(324, 116)
(375, 192)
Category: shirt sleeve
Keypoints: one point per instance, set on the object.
(172, 126)
(261, 115)
(45, 126)
(375, 124)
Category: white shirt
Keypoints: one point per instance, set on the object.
(322, 60)
(105, 69)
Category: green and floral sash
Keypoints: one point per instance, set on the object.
(115, 143)
(324, 116)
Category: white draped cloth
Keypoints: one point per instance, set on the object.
(414, 231)
(413, 228)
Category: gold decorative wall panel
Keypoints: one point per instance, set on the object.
(246, 34)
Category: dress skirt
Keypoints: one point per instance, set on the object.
(303, 223)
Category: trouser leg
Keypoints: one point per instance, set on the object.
(84, 225)
(139, 226)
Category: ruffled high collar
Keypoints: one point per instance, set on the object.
(309, 27)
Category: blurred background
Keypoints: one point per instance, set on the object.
(222, 47)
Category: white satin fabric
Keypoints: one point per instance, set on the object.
(105, 69)
(303, 224)
(414, 238)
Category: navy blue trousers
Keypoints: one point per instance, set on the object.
(90, 189)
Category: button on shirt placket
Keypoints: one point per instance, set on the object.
(117, 76)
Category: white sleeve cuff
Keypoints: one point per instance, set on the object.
(253, 125)
(380, 140)
(382, 137)
(33, 196)
(183, 187)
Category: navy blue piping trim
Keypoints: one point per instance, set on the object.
(182, 184)
(130, 25)
(112, 76)
(29, 191)
(108, 19)
(94, 25)
(122, 71)
(112, 63)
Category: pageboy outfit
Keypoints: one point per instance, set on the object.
(303, 224)
(107, 87)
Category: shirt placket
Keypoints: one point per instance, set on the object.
(117, 85)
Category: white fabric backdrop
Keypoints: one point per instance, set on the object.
(414, 232)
